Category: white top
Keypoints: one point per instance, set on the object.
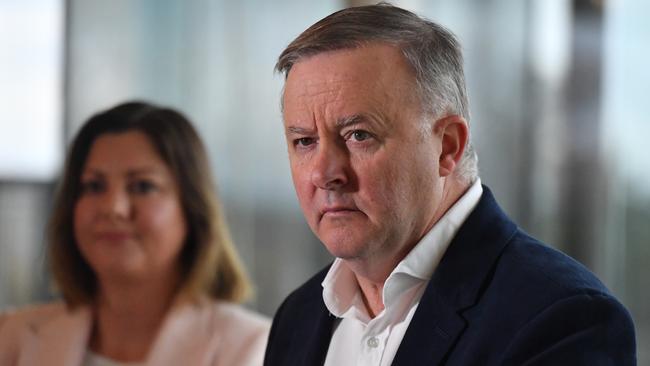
(360, 340)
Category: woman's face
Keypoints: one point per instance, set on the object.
(128, 221)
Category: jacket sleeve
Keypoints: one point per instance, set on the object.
(585, 329)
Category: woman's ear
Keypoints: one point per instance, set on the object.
(453, 132)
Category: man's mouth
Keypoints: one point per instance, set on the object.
(337, 211)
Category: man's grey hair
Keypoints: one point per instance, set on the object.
(432, 51)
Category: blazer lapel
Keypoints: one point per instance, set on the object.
(456, 285)
(319, 338)
(431, 333)
(61, 340)
(314, 327)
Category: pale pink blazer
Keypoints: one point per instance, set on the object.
(216, 333)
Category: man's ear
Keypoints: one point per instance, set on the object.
(453, 132)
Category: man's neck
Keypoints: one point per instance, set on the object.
(372, 296)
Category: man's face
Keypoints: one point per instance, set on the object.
(364, 167)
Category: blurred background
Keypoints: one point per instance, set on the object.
(557, 92)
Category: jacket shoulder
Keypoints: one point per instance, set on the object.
(296, 322)
(548, 306)
(544, 267)
(300, 305)
(246, 331)
(310, 289)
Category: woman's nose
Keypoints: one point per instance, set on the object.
(116, 203)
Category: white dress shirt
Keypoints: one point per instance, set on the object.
(360, 340)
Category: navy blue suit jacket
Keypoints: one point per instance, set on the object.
(498, 297)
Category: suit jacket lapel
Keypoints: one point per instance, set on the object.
(61, 340)
(319, 341)
(314, 327)
(433, 330)
(456, 285)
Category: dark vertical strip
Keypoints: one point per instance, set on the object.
(526, 139)
(583, 200)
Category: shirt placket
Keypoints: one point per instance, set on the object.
(373, 345)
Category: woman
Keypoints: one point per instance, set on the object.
(141, 255)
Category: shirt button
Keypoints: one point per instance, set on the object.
(373, 342)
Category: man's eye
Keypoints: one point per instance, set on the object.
(304, 141)
(360, 135)
(91, 186)
(141, 187)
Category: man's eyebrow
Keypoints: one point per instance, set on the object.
(340, 123)
(298, 130)
(349, 120)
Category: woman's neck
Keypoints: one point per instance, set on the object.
(128, 316)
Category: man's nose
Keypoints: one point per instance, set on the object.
(330, 166)
(116, 203)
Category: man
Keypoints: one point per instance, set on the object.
(428, 269)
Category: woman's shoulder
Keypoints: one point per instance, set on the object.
(240, 318)
(14, 323)
(247, 333)
(31, 314)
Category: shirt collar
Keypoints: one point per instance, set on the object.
(423, 259)
(341, 292)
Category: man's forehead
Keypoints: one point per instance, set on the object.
(365, 65)
(348, 63)
(310, 77)
(345, 82)
(304, 91)
(328, 88)
(331, 74)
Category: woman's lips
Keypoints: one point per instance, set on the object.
(113, 236)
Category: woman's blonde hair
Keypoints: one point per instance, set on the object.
(210, 265)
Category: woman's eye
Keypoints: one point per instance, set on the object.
(360, 135)
(91, 186)
(142, 186)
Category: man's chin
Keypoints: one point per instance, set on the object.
(345, 240)
(345, 249)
